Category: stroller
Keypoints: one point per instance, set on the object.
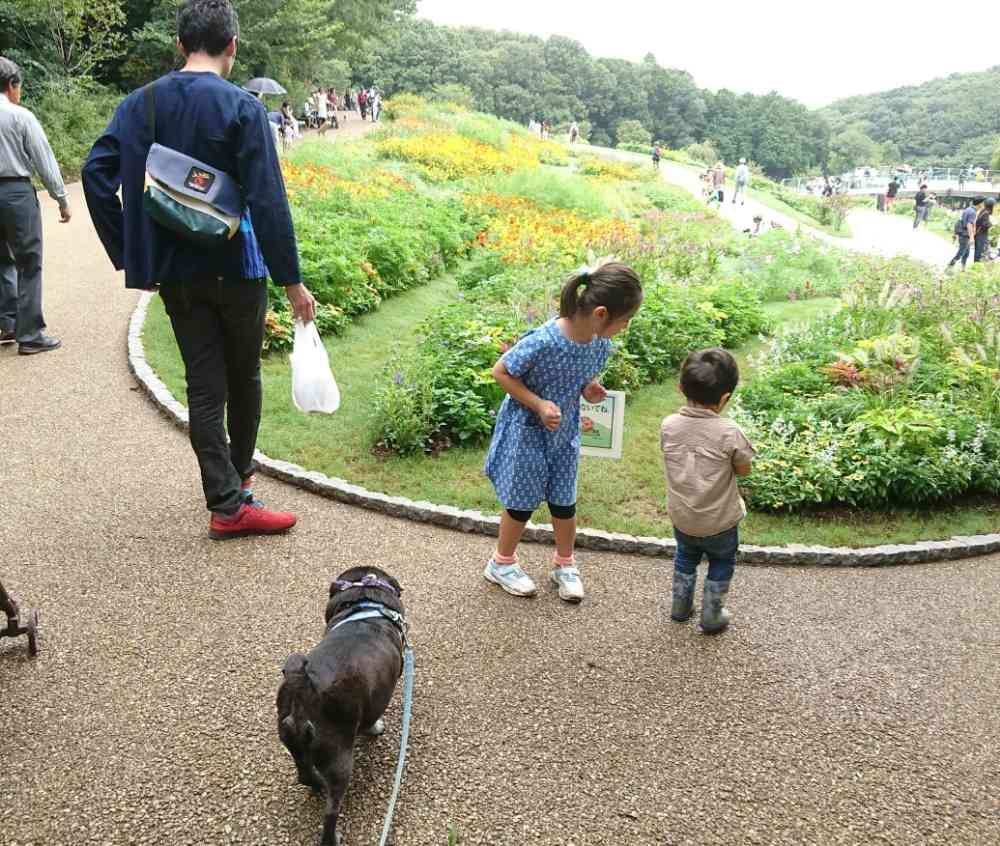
(15, 628)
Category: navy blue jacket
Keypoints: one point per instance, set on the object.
(210, 119)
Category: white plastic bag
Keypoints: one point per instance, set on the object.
(313, 385)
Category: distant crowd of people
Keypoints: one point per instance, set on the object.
(325, 109)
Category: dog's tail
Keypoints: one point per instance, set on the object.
(295, 729)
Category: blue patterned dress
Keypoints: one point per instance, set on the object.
(527, 463)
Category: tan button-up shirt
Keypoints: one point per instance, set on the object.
(700, 449)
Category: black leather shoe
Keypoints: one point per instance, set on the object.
(7, 337)
(46, 344)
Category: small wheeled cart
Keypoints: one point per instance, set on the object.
(19, 622)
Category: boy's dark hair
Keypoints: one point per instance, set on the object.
(708, 375)
(614, 286)
(207, 26)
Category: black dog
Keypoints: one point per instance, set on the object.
(342, 688)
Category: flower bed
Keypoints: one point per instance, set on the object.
(893, 400)
(445, 395)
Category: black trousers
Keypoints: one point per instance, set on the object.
(982, 247)
(219, 326)
(20, 261)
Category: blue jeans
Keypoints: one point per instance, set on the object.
(963, 251)
(721, 551)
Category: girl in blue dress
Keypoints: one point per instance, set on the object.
(536, 443)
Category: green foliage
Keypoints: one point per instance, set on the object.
(77, 35)
(633, 132)
(787, 266)
(453, 92)
(73, 113)
(667, 197)
(853, 148)
(557, 190)
(521, 77)
(830, 212)
(854, 410)
(704, 153)
(951, 121)
(402, 417)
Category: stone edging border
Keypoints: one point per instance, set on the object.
(475, 521)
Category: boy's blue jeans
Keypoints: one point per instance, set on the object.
(721, 551)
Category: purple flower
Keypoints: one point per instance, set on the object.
(398, 378)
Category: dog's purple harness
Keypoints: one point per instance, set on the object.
(370, 580)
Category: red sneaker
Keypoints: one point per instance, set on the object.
(250, 521)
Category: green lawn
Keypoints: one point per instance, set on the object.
(626, 496)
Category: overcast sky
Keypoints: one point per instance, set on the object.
(850, 47)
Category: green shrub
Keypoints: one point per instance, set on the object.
(904, 418)
(74, 114)
(781, 265)
(741, 313)
(402, 419)
(633, 132)
(704, 153)
(666, 197)
(672, 322)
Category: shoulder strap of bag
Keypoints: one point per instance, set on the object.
(150, 109)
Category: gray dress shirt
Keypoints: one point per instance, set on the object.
(24, 150)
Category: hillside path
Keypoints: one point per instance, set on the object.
(872, 233)
(844, 706)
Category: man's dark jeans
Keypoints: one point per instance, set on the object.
(963, 251)
(721, 550)
(219, 326)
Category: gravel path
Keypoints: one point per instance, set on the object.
(844, 707)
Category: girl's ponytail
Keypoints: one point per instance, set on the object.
(612, 285)
(569, 300)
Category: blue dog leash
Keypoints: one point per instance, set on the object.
(403, 741)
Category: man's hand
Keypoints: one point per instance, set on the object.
(550, 414)
(65, 214)
(303, 304)
(594, 393)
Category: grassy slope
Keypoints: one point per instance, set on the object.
(626, 495)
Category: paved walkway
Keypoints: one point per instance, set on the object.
(844, 707)
(871, 232)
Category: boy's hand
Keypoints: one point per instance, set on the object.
(550, 414)
(594, 393)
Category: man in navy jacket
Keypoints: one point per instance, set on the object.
(216, 297)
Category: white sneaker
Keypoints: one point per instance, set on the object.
(570, 584)
(511, 578)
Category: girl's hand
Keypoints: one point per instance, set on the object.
(550, 414)
(595, 393)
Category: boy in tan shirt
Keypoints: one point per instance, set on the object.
(703, 454)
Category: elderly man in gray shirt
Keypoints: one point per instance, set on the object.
(24, 150)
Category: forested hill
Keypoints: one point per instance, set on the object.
(953, 121)
(521, 77)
